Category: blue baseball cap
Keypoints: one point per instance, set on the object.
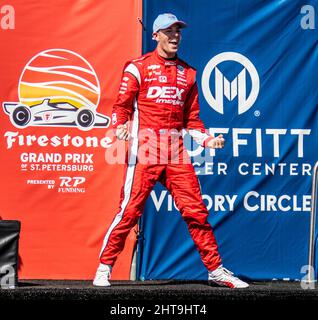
(166, 20)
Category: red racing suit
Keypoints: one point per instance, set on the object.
(160, 96)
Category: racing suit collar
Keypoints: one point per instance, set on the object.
(165, 61)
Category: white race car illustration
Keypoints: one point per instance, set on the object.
(54, 114)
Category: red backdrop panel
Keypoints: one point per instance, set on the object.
(54, 177)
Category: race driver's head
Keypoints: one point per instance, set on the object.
(167, 33)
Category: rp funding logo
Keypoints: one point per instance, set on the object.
(233, 88)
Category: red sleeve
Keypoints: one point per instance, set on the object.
(192, 110)
(123, 108)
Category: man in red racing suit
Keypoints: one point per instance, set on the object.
(159, 94)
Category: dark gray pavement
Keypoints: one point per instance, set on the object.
(169, 299)
(154, 290)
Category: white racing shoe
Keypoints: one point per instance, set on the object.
(224, 277)
(102, 275)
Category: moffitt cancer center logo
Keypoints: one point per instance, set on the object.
(57, 88)
(236, 88)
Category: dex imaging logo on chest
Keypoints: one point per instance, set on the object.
(230, 88)
(165, 92)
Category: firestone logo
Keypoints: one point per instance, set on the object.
(57, 88)
(235, 88)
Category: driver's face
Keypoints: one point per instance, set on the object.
(168, 39)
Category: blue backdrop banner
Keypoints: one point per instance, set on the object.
(257, 74)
